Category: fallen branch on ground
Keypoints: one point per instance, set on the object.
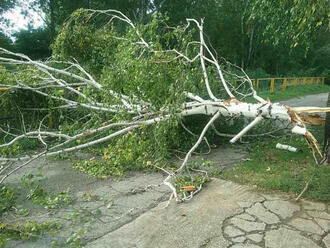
(51, 78)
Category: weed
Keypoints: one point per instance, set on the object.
(73, 241)
(28, 230)
(42, 197)
(7, 199)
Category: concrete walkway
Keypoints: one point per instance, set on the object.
(116, 202)
(223, 215)
(127, 213)
(226, 214)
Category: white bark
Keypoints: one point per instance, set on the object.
(141, 111)
(246, 129)
(299, 130)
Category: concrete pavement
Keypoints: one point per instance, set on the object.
(225, 215)
(126, 213)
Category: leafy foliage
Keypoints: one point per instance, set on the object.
(42, 197)
(294, 21)
(18, 224)
(27, 231)
(113, 62)
(7, 199)
(24, 230)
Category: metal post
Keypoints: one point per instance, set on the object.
(284, 84)
(272, 84)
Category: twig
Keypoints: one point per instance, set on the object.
(303, 191)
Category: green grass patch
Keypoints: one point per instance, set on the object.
(276, 169)
(293, 91)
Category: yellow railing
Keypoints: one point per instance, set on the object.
(287, 81)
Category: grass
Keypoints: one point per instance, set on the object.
(275, 169)
(292, 92)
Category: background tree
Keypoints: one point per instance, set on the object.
(57, 11)
(264, 37)
(251, 33)
(293, 21)
(5, 42)
(33, 42)
(6, 4)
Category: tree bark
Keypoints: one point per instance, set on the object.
(326, 147)
(52, 18)
(71, 75)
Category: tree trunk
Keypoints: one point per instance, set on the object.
(326, 148)
(250, 47)
(52, 18)
(69, 77)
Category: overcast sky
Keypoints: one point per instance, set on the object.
(18, 21)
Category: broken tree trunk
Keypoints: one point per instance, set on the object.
(326, 147)
(70, 86)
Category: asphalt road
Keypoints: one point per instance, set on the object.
(317, 100)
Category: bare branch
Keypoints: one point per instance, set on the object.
(74, 80)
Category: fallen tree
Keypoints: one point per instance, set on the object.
(141, 76)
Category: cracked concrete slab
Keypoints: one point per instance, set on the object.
(223, 214)
(215, 218)
(246, 217)
(306, 226)
(248, 226)
(326, 241)
(309, 205)
(255, 237)
(245, 246)
(232, 231)
(182, 225)
(284, 238)
(319, 214)
(324, 224)
(263, 214)
(284, 209)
